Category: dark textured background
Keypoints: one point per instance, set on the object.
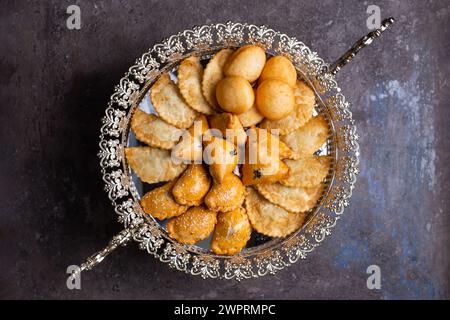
(55, 84)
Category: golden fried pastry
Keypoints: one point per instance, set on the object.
(247, 62)
(303, 111)
(275, 99)
(294, 199)
(251, 117)
(262, 146)
(232, 232)
(227, 195)
(257, 173)
(270, 219)
(305, 100)
(307, 172)
(160, 203)
(307, 139)
(213, 74)
(194, 225)
(263, 152)
(170, 105)
(235, 94)
(199, 127)
(190, 149)
(221, 156)
(190, 74)
(153, 131)
(279, 67)
(229, 126)
(152, 164)
(192, 186)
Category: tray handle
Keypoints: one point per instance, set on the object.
(120, 239)
(361, 43)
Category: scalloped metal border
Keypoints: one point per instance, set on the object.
(136, 82)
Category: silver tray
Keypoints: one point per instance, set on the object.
(264, 255)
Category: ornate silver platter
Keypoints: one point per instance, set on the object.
(264, 255)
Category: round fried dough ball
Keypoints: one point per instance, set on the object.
(247, 62)
(275, 99)
(279, 67)
(235, 94)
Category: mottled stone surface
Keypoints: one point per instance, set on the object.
(55, 84)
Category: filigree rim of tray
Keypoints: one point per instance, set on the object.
(122, 193)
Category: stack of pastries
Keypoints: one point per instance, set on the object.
(235, 143)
